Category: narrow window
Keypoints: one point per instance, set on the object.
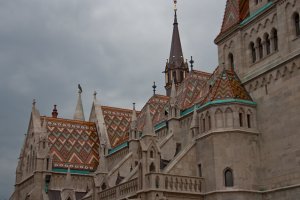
(260, 48)
(297, 24)
(209, 123)
(47, 164)
(268, 44)
(231, 61)
(228, 176)
(241, 119)
(275, 39)
(151, 154)
(152, 168)
(200, 170)
(174, 77)
(181, 76)
(253, 52)
(249, 120)
(203, 124)
(103, 186)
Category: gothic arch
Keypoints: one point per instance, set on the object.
(228, 177)
(219, 118)
(228, 117)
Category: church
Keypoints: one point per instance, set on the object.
(230, 134)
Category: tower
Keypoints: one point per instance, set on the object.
(176, 68)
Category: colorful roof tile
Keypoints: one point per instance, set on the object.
(226, 85)
(73, 143)
(117, 123)
(158, 104)
(235, 12)
(191, 88)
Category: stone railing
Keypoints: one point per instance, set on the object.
(120, 191)
(174, 183)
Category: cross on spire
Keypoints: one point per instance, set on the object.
(192, 62)
(154, 88)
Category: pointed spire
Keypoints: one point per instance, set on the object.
(79, 114)
(194, 123)
(148, 127)
(173, 94)
(133, 118)
(54, 112)
(176, 54)
(68, 180)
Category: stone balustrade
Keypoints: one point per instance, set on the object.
(155, 182)
(166, 182)
(120, 191)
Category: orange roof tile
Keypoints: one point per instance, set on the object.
(73, 143)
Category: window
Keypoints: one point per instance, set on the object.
(181, 76)
(174, 77)
(241, 119)
(203, 124)
(275, 39)
(103, 186)
(152, 168)
(231, 61)
(268, 44)
(151, 154)
(297, 24)
(228, 176)
(253, 52)
(260, 48)
(200, 170)
(249, 120)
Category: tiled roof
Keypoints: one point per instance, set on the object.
(235, 12)
(117, 123)
(73, 143)
(157, 105)
(191, 88)
(226, 85)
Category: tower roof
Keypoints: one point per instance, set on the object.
(176, 55)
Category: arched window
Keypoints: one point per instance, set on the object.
(151, 154)
(152, 168)
(275, 39)
(253, 52)
(268, 43)
(297, 24)
(231, 61)
(103, 186)
(174, 77)
(241, 117)
(260, 48)
(228, 177)
(157, 182)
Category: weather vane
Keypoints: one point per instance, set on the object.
(79, 89)
(175, 5)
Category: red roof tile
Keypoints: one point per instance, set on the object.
(73, 143)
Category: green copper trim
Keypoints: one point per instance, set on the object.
(72, 171)
(160, 125)
(117, 148)
(187, 111)
(253, 15)
(221, 101)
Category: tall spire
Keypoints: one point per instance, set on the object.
(176, 55)
(133, 118)
(176, 67)
(79, 114)
(148, 127)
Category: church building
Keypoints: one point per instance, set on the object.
(230, 134)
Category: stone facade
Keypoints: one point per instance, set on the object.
(237, 137)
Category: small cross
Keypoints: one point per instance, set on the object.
(192, 62)
(95, 95)
(154, 88)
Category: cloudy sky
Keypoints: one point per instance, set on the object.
(115, 47)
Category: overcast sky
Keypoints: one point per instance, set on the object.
(115, 47)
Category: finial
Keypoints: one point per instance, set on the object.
(154, 88)
(175, 5)
(33, 102)
(95, 95)
(79, 89)
(133, 106)
(192, 62)
(54, 112)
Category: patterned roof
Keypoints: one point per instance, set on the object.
(226, 85)
(117, 123)
(191, 88)
(73, 143)
(235, 12)
(158, 104)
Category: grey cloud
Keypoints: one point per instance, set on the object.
(116, 47)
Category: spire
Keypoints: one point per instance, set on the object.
(148, 127)
(54, 111)
(154, 88)
(176, 55)
(194, 123)
(133, 118)
(79, 114)
(173, 94)
(68, 181)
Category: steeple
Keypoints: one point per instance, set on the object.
(148, 127)
(176, 67)
(79, 114)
